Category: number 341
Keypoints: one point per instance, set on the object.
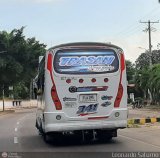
(89, 108)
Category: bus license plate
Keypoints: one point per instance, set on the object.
(88, 98)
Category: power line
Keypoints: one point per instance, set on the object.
(134, 26)
(131, 30)
(151, 13)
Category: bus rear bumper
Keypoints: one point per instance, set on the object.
(72, 126)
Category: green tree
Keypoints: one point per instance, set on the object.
(144, 59)
(147, 78)
(142, 82)
(130, 70)
(19, 63)
(154, 83)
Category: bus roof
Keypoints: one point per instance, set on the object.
(78, 44)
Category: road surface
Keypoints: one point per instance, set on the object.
(18, 134)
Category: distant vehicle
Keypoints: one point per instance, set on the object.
(82, 89)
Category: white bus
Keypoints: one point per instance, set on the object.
(82, 89)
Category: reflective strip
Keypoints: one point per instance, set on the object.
(142, 121)
(153, 120)
(98, 117)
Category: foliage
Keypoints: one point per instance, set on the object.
(130, 70)
(20, 90)
(148, 80)
(154, 83)
(143, 61)
(18, 64)
(141, 80)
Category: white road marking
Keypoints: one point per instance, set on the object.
(22, 118)
(136, 140)
(15, 140)
(16, 127)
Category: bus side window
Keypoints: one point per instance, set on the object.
(43, 83)
(40, 81)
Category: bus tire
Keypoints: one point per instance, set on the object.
(36, 125)
(47, 138)
(40, 129)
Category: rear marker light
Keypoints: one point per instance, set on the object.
(68, 81)
(93, 80)
(106, 80)
(81, 80)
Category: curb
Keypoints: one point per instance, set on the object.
(142, 121)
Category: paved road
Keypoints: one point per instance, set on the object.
(18, 134)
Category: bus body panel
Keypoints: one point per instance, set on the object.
(78, 115)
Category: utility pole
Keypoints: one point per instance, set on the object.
(149, 30)
(3, 97)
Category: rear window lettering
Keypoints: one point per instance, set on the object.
(86, 62)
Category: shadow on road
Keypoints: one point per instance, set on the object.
(36, 143)
(72, 141)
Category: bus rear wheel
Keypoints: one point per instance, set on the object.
(47, 138)
(53, 137)
(106, 135)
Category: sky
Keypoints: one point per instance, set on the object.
(61, 21)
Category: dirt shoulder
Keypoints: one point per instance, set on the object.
(6, 112)
(146, 112)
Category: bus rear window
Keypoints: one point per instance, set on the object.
(86, 61)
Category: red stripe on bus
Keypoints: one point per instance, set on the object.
(104, 88)
(85, 114)
(98, 117)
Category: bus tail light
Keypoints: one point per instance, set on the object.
(55, 99)
(120, 88)
(54, 94)
(119, 96)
